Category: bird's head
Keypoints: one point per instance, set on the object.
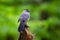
(26, 10)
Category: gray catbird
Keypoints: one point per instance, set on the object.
(25, 16)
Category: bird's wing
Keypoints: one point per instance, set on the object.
(25, 16)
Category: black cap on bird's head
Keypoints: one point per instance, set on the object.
(27, 10)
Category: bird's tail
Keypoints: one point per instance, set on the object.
(21, 27)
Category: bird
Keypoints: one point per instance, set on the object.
(23, 19)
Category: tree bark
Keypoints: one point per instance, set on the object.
(26, 35)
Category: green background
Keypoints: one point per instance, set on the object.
(44, 29)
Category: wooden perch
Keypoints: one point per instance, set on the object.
(26, 35)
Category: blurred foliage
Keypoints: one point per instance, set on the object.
(44, 21)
